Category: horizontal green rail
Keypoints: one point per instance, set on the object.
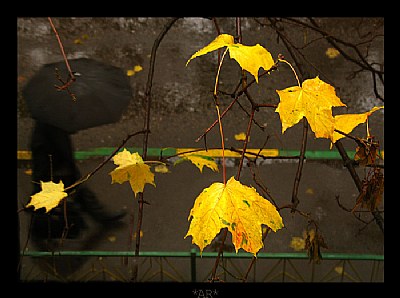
(195, 253)
(157, 152)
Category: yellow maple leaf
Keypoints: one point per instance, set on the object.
(132, 168)
(234, 206)
(250, 58)
(49, 197)
(199, 161)
(347, 122)
(313, 100)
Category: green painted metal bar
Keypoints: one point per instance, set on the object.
(190, 254)
(106, 151)
(169, 151)
(157, 152)
(317, 154)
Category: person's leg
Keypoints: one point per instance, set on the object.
(90, 204)
(52, 156)
(52, 160)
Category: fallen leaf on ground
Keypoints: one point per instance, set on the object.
(310, 191)
(297, 243)
(112, 238)
(136, 69)
(140, 234)
(162, 168)
(332, 53)
(241, 136)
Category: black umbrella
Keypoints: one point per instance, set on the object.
(102, 93)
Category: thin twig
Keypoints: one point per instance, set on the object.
(357, 140)
(295, 199)
(91, 173)
(246, 141)
(225, 233)
(236, 97)
(146, 128)
(71, 76)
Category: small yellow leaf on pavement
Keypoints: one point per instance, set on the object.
(140, 234)
(241, 136)
(162, 168)
(339, 269)
(49, 197)
(297, 243)
(112, 238)
(310, 191)
(136, 69)
(332, 53)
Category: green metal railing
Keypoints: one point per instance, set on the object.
(343, 268)
(157, 152)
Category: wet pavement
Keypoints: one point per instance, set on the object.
(182, 108)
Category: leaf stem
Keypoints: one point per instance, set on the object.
(222, 145)
(246, 141)
(219, 68)
(219, 118)
(297, 78)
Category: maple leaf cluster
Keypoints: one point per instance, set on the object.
(312, 100)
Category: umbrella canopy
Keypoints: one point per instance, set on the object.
(102, 93)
